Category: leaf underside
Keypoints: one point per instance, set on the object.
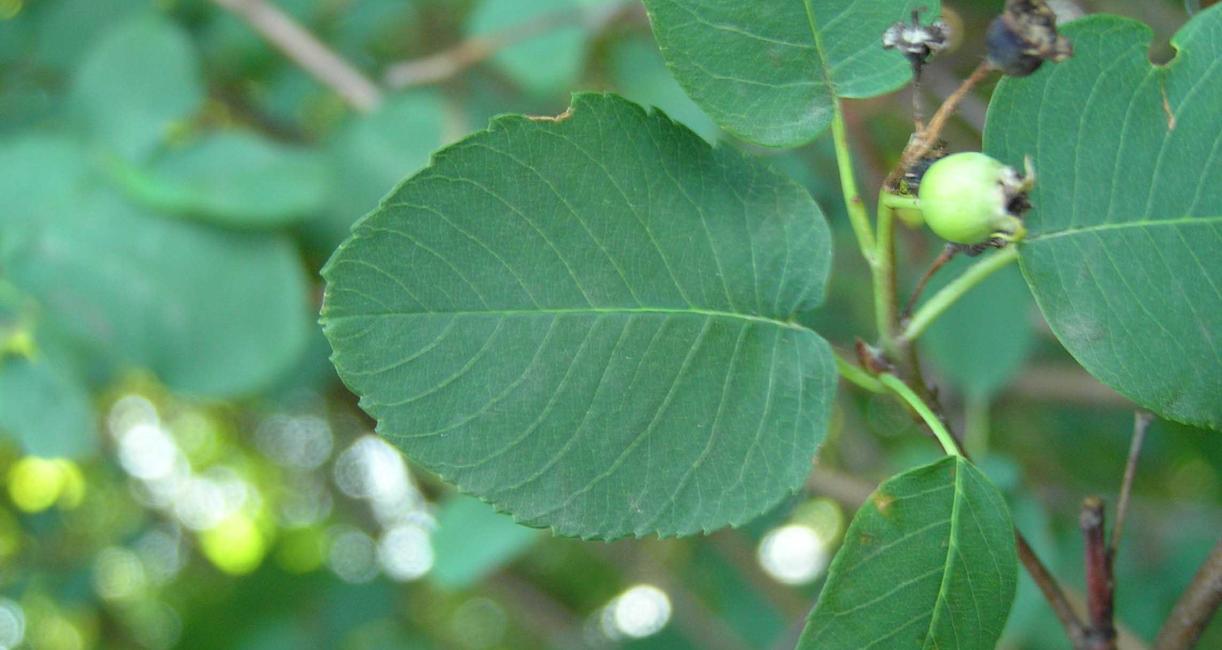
(770, 72)
(928, 562)
(1125, 255)
(585, 320)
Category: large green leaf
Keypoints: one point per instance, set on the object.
(928, 562)
(1125, 251)
(587, 321)
(770, 71)
(236, 179)
(136, 83)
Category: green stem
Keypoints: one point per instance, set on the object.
(856, 375)
(900, 202)
(931, 420)
(929, 311)
(858, 217)
(883, 271)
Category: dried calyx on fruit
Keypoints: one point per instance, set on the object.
(1024, 36)
(910, 182)
(971, 198)
(915, 41)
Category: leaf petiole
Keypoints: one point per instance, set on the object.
(858, 376)
(931, 419)
(929, 311)
(858, 217)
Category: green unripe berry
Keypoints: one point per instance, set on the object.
(966, 199)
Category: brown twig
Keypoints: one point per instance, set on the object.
(1196, 606)
(1100, 585)
(947, 254)
(448, 63)
(922, 141)
(1141, 424)
(1052, 592)
(298, 44)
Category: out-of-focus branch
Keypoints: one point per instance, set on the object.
(298, 44)
(1141, 424)
(1052, 592)
(1063, 383)
(1196, 606)
(448, 63)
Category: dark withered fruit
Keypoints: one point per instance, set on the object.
(1024, 36)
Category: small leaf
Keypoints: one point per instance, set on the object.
(770, 72)
(928, 562)
(139, 79)
(1125, 250)
(587, 320)
(472, 541)
(235, 179)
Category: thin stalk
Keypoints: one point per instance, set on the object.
(947, 254)
(931, 420)
(943, 299)
(858, 376)
(899, 201)
(884, 279)
(858, 217)
(1141, 424)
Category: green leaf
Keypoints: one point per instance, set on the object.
(928, 562)
(236, 179)
(139, 80)
(472, 541)
(587, 321)
(212, 312)
(68, 28)
(46, 407)
(770, 72)
(1125, 250)
(984, 339)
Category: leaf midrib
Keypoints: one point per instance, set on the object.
(824, 68)
(940, 602)
(708, 313)
(1123, 225)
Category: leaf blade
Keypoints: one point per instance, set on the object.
(770, 72)
(1123, 253)
(584, 340)
(904, 559)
